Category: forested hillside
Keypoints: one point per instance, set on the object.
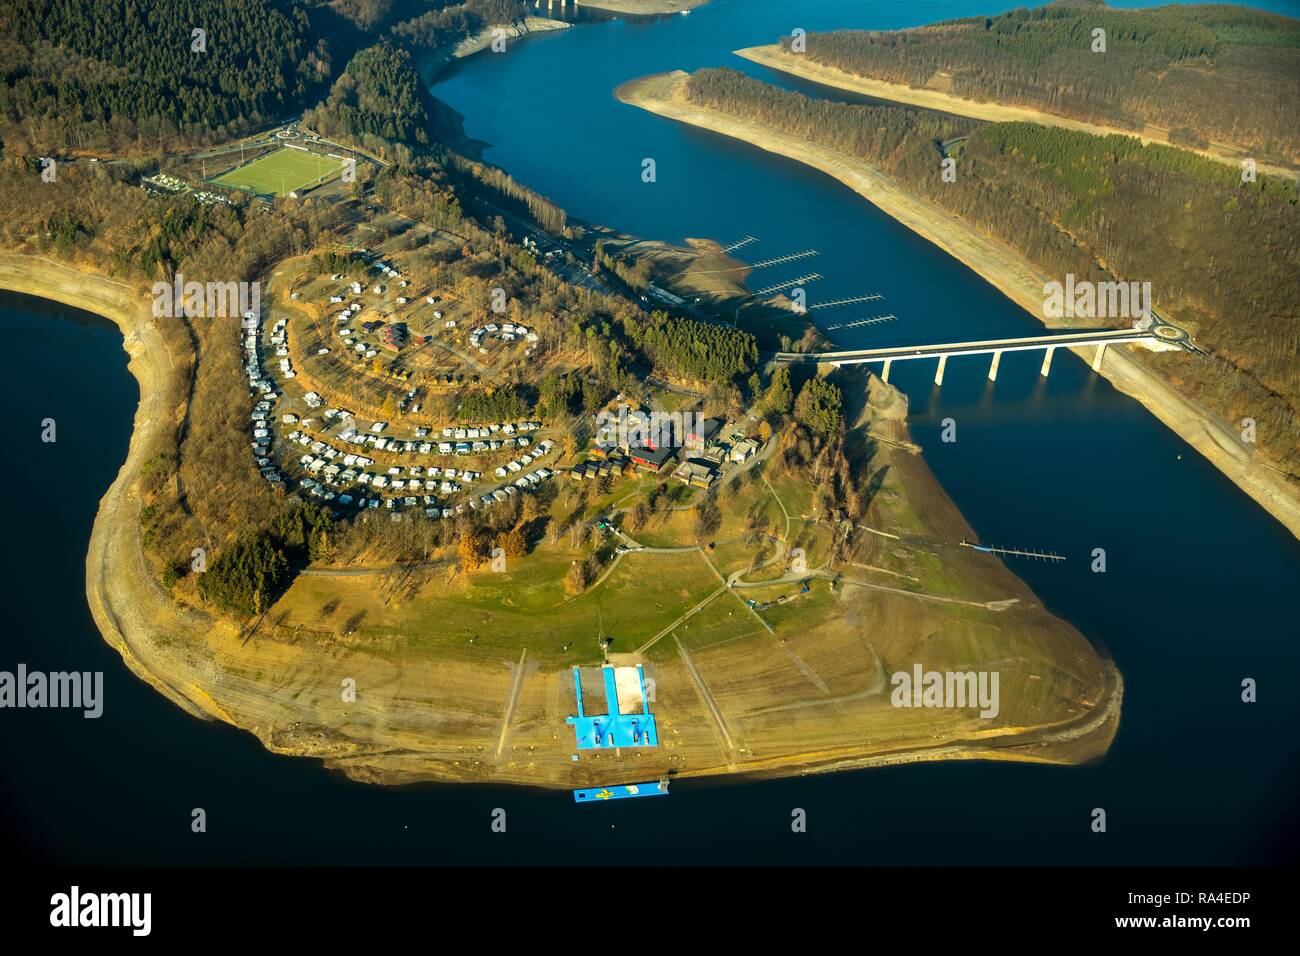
(95, 74)
(884, 135)
(1222, 255)
(378, 102)
(447, 21)
(101, 76)
(1213, 73)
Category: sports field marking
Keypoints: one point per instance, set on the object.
(282, 172)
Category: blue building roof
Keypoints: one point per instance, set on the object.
(613, 729)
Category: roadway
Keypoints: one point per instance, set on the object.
(1165, 334)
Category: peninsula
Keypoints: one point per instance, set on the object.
(421, 466)
(1176, 74)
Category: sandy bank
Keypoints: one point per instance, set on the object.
(796, 65)
(430, 65)
(1017, 278)
(462, 716)
(513, 31)
(127, 603)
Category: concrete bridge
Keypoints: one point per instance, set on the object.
(1156, 334)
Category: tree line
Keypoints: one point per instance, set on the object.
(1205, 73)
(497, 405)
(249, 575)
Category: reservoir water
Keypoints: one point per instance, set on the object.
(1199, 591)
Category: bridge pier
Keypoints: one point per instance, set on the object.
(884, 372)
(1047, 360)
(993, 369)
(1099, 357)
(938, 373)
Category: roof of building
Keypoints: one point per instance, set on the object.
(395, 335)
(651, 456)
(705, 430)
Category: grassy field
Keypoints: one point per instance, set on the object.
(437, 654)
(281, 172)
(489, 614)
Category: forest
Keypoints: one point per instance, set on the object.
(379, 103)
(95, 76)
(499, 405)
(248, 576)
(691, 349)
(1214, 73)
(87, 74)
(447, 21)
(1221, 254)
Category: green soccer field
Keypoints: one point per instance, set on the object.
(281, 172)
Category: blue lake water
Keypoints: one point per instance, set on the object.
(1199, 592)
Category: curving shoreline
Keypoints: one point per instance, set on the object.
(513, 31)
(773, 57)
(109, 572)
(1002, 267)
(435, 61)
(204, 666)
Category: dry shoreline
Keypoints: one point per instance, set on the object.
(203, 666)
(1006, 270)
(433, 63)
(109, 572)
(514, 31)
(775, 58)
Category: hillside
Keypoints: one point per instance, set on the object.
(80, 77)
(1201, 75)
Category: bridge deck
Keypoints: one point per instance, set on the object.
(1031, 342)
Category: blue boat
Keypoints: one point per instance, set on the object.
(621, 792)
